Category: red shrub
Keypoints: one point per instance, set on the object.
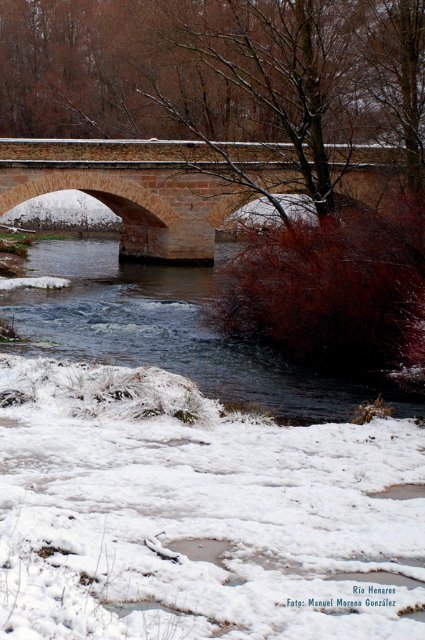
(412, 351)
(335, 295)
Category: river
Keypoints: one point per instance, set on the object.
(136, 315)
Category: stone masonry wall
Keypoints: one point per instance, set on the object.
(168, 211)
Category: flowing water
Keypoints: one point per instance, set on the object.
(138, 315)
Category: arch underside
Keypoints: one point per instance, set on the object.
(129, 211)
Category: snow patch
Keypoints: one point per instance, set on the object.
(70, 208)
(156, 141)
(262, 213)
(45, 282)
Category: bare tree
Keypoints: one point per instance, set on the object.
(288, 58)
(392, 37)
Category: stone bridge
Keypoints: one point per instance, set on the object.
(170, 209)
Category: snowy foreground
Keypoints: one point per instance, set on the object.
(97, 460)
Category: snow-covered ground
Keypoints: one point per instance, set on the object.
(95, 460)
(68, 208)
(262, 213)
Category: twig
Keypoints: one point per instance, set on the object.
(17, 229)
(165, 554)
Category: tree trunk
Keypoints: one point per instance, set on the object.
(314, 106)
(411, 22)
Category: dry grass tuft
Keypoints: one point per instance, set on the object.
(365, 413)
(7, 330)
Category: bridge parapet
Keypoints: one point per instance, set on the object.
(169, 152)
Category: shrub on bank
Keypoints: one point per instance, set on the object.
(333, 296)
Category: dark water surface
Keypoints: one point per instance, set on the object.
(150, 315)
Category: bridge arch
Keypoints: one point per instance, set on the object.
(134, 204)
(151, 231)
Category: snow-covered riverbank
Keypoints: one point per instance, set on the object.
(9, 284)
(95, 460)
(62, 210)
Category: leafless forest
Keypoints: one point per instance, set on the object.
(304, 71)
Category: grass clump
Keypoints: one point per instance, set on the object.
(39, 237)
(17, 244)
(8, 331)
(365, 413)
(10, 397)
(186, 416)
(248, 413)
(11, 266)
